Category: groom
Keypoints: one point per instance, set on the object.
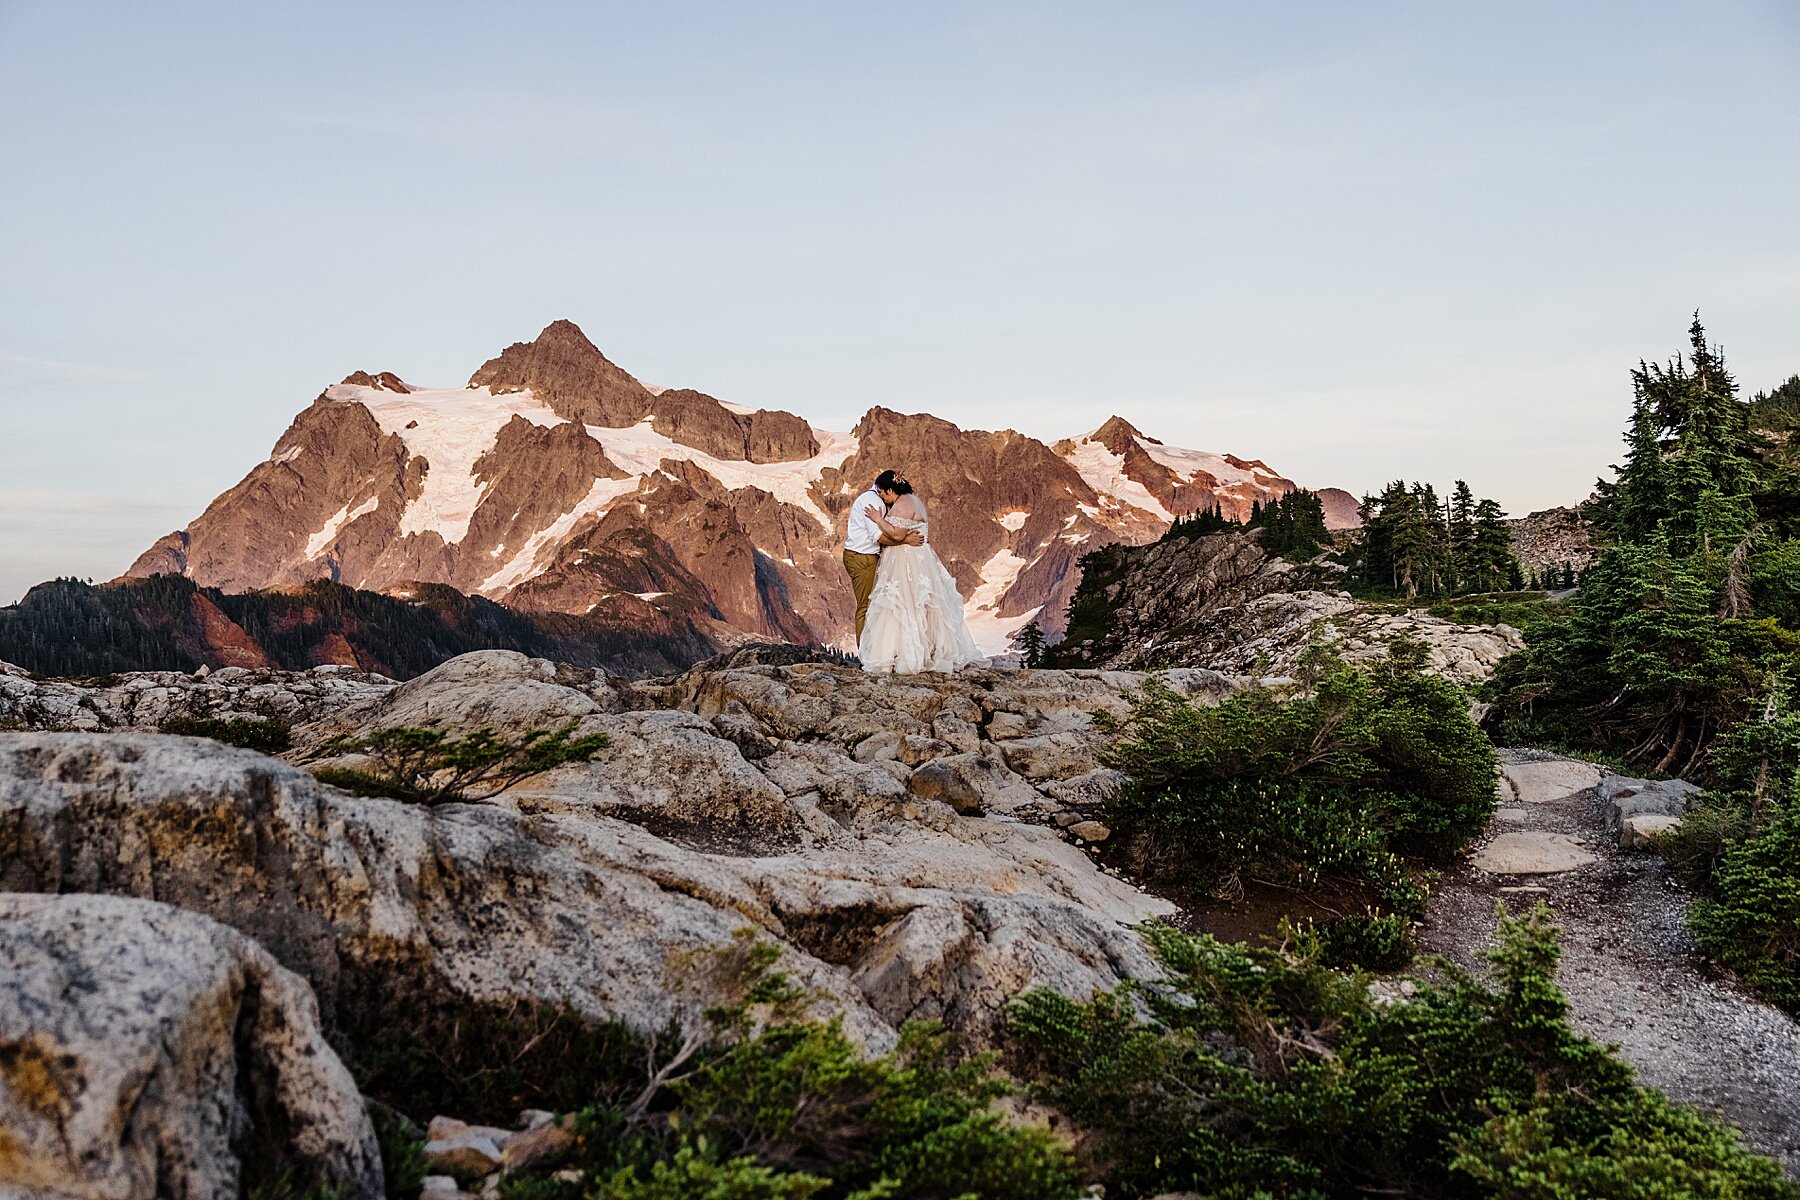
(863, 543)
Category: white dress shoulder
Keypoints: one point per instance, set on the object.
(915, 620)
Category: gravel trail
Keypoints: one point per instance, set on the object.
(1632, 973)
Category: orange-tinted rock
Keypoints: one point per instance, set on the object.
(226, 642)
(764, 435)
(1342, 510)
(567, 372)
(333, 458)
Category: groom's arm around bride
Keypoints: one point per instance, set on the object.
(863, 543)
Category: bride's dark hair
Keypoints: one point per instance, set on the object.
(890, 481)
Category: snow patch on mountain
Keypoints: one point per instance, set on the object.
(640, 449)
(523, 565)
(1104, 471)
(993, 633)
(1188, 463)
(450, 428)
(319, 542)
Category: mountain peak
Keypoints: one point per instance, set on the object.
(387, 381)
(1116, 434)
(563, 331)
(567, 371)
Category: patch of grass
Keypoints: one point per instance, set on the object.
(253, 733)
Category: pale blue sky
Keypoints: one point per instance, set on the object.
(1358, 241)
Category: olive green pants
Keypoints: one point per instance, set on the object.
(861, 568)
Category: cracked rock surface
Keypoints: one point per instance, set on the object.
(894, 899)
(141, 1045)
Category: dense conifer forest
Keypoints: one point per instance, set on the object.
(68, 627)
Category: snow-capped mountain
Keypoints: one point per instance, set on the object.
(555, 481)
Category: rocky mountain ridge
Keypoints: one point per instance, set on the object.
(557, 482)
(1218, 602)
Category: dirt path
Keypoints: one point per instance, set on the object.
(1632, 973)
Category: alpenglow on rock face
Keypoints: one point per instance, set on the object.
(556, 481)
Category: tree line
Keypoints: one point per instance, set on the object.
(1416, 544)
(1293, 525)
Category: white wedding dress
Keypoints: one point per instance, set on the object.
(915, 620)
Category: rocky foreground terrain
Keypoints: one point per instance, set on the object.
(191, 933)
(914, 846)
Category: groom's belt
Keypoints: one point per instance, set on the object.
(861, 553)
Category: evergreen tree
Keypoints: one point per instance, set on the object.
(1462, 533)
(1675, 630)
(1293, 525)
(1031, 642)
(1490, 553)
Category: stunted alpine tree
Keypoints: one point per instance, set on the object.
(1680, 628)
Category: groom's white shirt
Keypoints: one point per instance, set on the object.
(861, 534)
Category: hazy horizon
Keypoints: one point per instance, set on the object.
(1398, 243)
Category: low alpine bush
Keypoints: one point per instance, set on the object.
(253, 733)
(428, 766)
(1261, 1072)
(1340, 779)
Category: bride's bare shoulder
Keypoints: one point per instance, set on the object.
(910, 508)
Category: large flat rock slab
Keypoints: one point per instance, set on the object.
(1533, 852)
(1543, 782)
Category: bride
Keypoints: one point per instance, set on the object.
(915, 620)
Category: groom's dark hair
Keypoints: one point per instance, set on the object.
(888, 481)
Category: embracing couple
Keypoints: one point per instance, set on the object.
(909, 615)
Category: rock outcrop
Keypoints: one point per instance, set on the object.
(556, 481)
(145, 1051)
(1219, 602)
(1554, 539)
(902, 838)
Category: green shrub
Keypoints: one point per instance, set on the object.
(692, 1174)
(912, 1123)
(1751, 923)
(756, 1101)
(1377, 941)
(1261, 1071)
(402, 1154)
(485, 1063)
(428, 766)
(253, 733)
(1341, 781)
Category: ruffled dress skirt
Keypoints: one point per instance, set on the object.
(915, 620)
